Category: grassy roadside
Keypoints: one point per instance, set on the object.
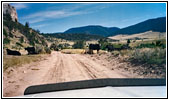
(79, 51)
(72, 51)
(14, 61)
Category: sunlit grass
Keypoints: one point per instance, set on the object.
(79, 51)
(15, 61)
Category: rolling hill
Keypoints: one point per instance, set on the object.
(74, 36)
(155, 25)
(93, 29)
(144, 35)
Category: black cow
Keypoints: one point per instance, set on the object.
(125, 47)
(12, 52)
(31, 50)
(94, 47)
(110, 47)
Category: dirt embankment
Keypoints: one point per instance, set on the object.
(123, 66)
(59, 67)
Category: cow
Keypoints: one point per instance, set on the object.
(31, 50)
(110, 48)
(94, 47)
(125, 47)
(12, 52)
(88, 51)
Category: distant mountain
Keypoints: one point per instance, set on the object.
(93, 29)
(155, 25)
(74, 36)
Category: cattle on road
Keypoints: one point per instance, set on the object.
(94, 47)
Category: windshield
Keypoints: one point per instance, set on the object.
(48, 43)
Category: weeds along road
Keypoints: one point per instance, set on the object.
(57, 67)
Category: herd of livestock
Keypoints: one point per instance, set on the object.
(91, 47)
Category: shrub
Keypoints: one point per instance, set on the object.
(27, 24)
(161, 43)
(60, 46)
(115, 53)
(117, 45)
(158, 43)
(79, 45)
(54, 46)
(10, 35)
(21, 39)
(66, 46)
(6, 41)
(5, 33)
(47, 50)
(103, 43)
(128, 41)
(39, 49)
(19, 44)
(150, 56)
(146, 45)
(125, 52)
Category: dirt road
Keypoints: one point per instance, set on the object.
(57, 67)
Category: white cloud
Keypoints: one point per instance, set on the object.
(19, 5)
(66, 11)
(45, 15)
(38, 26)
(36, 20)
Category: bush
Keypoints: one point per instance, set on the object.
(66, 46)
(158, 43)
(19, 44)
(53, 46)
(6, 41)
(5, 33)
(103, 43)
(27, 24)
(60, 46)
(146, 45)
(79, 45)
(47, 50)
(10, 35)
(150, 56)
(21, 39)
(39, 49)
(115, 53)
(117, 45)
(128, 41)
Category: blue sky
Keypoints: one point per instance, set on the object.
(58, 17)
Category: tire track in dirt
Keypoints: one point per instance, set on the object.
(97, 68)
(58, 67)
(90, 73)
(89, 68)
(54, 74)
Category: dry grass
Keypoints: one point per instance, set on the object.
(73, 51)
(80, 51)
(148, 35)
(14, 61)
(150, 56)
